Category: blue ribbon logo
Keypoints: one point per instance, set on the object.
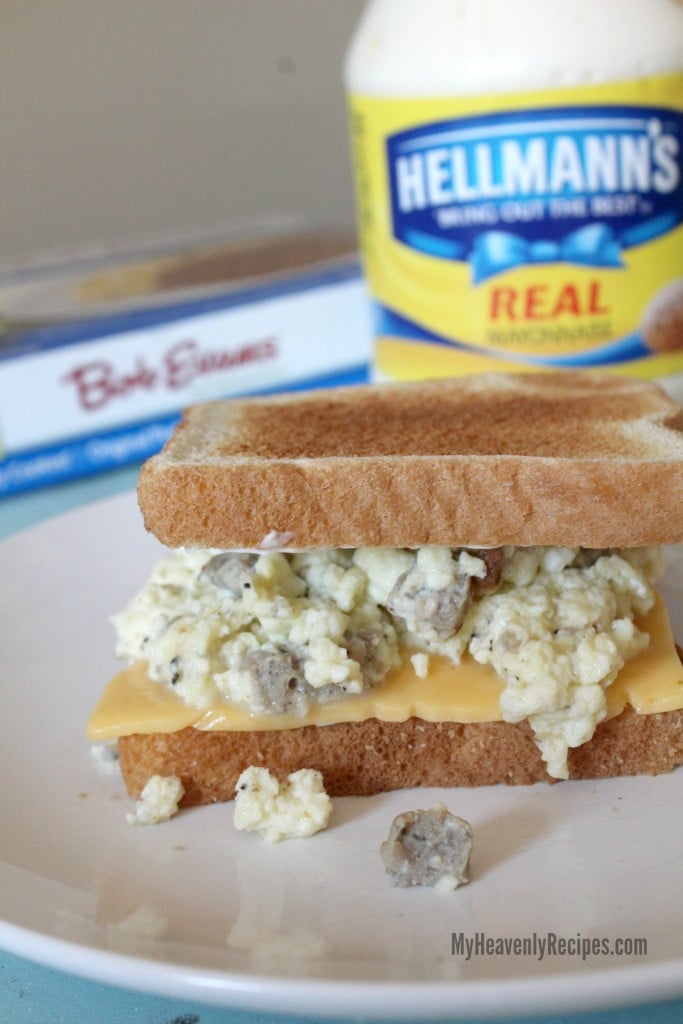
(496, 251)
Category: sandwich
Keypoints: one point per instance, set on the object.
(441, 583)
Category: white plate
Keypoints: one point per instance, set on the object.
(302, 926)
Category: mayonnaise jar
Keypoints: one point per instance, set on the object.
(519, 173)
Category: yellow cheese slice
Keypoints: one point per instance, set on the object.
(469, 692)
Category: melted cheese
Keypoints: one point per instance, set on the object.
(469, 692)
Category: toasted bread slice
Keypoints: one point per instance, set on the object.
(362, 758)
(551, 459)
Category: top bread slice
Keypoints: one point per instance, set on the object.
(571, 459)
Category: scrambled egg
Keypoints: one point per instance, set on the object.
(278, 631)
(558, 636)
(293, 810)
(158, 801)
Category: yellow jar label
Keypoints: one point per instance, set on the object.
(537, 230)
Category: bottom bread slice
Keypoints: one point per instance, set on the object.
(362, 758)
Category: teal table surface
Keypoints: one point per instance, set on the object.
(33, 994)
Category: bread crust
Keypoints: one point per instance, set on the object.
(363, 758)
(550, 459)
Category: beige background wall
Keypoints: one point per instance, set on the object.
(127, 117)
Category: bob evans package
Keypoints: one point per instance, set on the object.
(98, 356)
